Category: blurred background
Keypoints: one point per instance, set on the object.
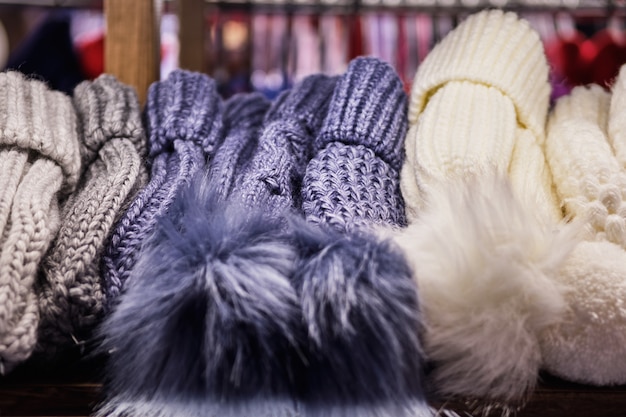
(270, 44)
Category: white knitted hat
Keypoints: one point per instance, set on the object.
(478, 92)
(586, 148)
(483, 211)
(39, 164)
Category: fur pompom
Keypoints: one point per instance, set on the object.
(484, 265)
(211, 314)
(360, 307)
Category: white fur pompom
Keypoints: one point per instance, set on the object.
(483, 263)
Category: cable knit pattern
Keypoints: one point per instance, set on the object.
(366, 120)
(184, 124)
(585, 147)
(243, 121)
(490, 43)
(273, 177)
(113, 149)
(40, 162)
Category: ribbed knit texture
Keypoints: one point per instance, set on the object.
(353, 179)
(272, 178)
(184, 127)
(481, 93)
(113, 149)
(243, 121)
(40, 163)
(474, 155)
(585, 149)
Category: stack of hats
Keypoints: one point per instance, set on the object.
(309, 330)
(40, 165)
(485, 235)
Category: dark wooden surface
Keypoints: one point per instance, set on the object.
(76, 395)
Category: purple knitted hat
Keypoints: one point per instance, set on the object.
(353, 179)
(184, 127)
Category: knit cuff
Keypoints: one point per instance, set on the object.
(368, 108)
(496, 49)
(33, 117)
(466, 128)
(107, 109)
(186, 106)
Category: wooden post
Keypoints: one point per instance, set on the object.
(132, 44)
(191, 34)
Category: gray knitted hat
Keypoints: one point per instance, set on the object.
(39, 165)
(113, 150)
(353, 178)
(272, 178)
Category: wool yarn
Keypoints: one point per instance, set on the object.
(585, 150)
(485, 237)
(39, 166)
(113, 149)
(184, 128)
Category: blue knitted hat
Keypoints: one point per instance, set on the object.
(353, 179)
(273, 177)
(358, 297)
(184, 126)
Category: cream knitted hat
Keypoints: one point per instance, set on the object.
(586, 150)
(481, 93)
(113, 149)
(39, 164)
(482, 209)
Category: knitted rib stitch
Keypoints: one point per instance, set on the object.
(585, 146)
(113, 149)
(353, 179)
(272, 178)
(40, 165)
(184, 127)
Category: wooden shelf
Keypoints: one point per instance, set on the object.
(26, 395)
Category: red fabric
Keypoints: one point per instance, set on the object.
(91, 56)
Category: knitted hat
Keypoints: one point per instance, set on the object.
(113, 150)
(358, 297)
(274, 174)
(184, 127)
(353, 178)
(585, 150)
(39, 164)
(485, 235)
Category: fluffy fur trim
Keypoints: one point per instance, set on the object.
(211, 313)
(361, 312)
(484, 265)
